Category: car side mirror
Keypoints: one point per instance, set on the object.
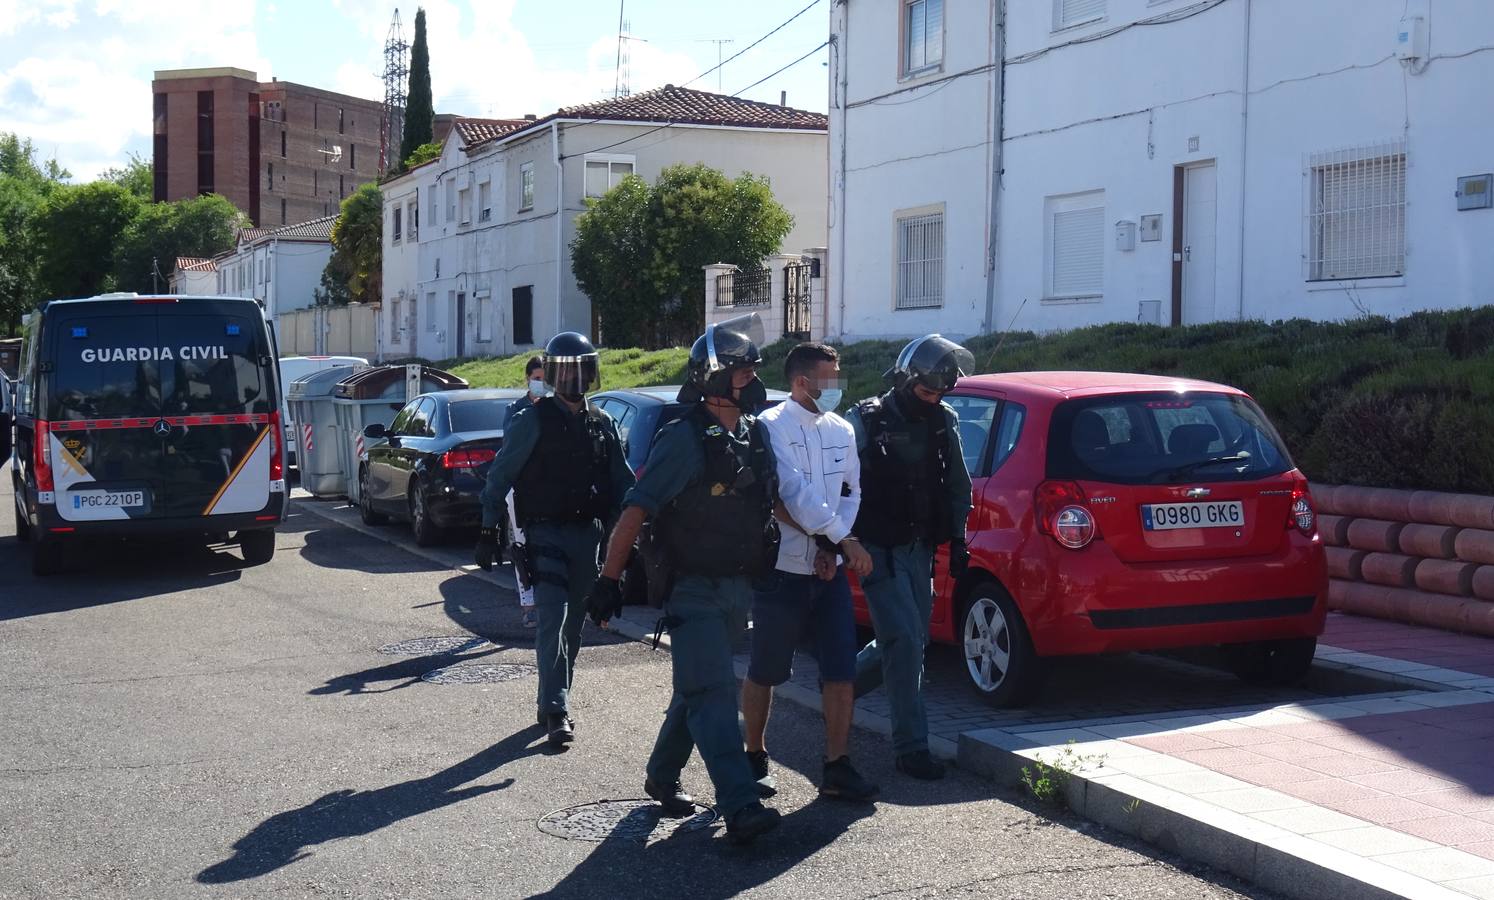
(376, 431)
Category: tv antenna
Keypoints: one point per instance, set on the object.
(720, 44)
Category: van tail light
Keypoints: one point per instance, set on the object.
(277, 438)
(41, 456)
(1303, 518)
(1063, 513)
(467, 459)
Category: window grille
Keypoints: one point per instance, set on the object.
(1356, 212)
(920, 261)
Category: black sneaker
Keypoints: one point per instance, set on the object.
(919, 764)
(562, 729)
(843, 782)
(677, 804)
(750, 823)
(767, 784)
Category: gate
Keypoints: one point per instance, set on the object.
(796, 301)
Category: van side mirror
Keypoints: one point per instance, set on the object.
(377, 431)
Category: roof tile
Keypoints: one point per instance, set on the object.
(685, 106)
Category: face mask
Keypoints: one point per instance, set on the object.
(536, 389)
(912, 407)
(828, 399)
(571, 398)
(753, 397)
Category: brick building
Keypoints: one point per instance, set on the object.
(281, 152)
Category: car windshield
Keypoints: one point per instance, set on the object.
(1164, 438)
(478, 415)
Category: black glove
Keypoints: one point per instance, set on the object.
(605, 599)
(959, 559)
(487, 548)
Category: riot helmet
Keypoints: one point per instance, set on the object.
(932, 361)
(572, 367)
(715, 357)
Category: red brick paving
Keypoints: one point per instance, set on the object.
(1465, 653)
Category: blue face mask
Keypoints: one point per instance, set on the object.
(828, 399)
(537, 389)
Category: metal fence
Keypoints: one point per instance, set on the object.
(744, 290)
(796, 305)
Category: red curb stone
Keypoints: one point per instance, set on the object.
(1445, 576)
(1475, 545)
(1430, 541)
(1323, 497)
(1389, 569)
(1334, 529)
(1482, 583)
(1343, 562)
(1374, 535)
(1465, 510)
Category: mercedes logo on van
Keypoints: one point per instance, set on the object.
(1198, 493)
(161, 428)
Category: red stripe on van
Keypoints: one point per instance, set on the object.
(174, 421)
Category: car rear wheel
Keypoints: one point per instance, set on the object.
(366, 511)
(1281, 663)
(1001, 664)
(46, 556)
(258, 546)
(427, 532)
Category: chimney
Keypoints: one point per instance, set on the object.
(530, 117)
(783, 98)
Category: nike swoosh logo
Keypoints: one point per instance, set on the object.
(840, 459)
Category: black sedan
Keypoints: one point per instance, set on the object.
(433, 461)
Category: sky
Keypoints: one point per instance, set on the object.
(75, 76)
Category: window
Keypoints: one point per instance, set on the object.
(315, 116)
(396, 322)
(430, 312)
(1356, 213)
(282, 145)
(159, 148)
(451, 193)
(976, 415)
(282, 210)
(484, 201)
(464, 205)
(342, 190)
(397, 224)
(339, 120)
(923, 35)
(352, 156)
(315, 181)
(523, 317)
(1076, 246)
(1067, 13)
(271, 185)
(412, 212)
(205, 142)
(603, 174)
(526, 188)
(920, 260)
(484, 318)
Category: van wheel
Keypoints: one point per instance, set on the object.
(23, 526)
(1001, 664)
(1281, 663)
(427, 532)
(366, 511)
(46, 556)
(258, 546)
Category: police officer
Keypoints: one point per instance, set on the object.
(915, 495)
(534, 390)
(710, 486)
(564, 462)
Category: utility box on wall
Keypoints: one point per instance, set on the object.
(1125, 235)
(1475, 192)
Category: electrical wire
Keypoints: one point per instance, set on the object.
(781, 70)
(781, 26)
(1178, 15)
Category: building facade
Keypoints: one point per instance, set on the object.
(1167, 161)
(279, 267)
(194, 277)
(281, 152)
(489, 269)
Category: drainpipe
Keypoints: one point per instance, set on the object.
(559, 222)
(845, 121)
(998, 131)
(1244, 146)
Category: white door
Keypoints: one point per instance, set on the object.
(1199, 228)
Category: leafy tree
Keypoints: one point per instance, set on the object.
(423, 153)
(420, 113)
(25, 186)
(357, 249)
(136, 176)
(333, 289)
(18, 160)
(78, 229)
(639, 251)
(149, 245)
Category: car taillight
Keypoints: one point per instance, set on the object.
(277, 437)
(467, 459)
(41, 457)
(1303, 517)
(1062, 514)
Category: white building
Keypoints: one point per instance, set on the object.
(194, 276)
(488, 269)
(280, 267)
(1156, 160)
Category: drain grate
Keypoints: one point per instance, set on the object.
(478, 673)
(429, 646)
(640, 821)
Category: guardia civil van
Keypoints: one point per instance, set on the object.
(148, 415)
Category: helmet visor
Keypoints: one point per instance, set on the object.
(935, 362)
(734, 342)
(572, 375)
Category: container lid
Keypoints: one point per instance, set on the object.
(318, 384)
(388, 383)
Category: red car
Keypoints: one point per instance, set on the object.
(1121, 512)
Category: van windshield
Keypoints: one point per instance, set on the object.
(104, 367)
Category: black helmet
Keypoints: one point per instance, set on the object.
(932, 361)
(725, 347)
(572, 367)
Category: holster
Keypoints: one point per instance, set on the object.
(518, 554)
(658, 569)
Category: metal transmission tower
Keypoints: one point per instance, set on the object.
(624, 61)
(396, 78)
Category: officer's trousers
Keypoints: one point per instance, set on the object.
(899, 596)
(564, 559)
(708, 615)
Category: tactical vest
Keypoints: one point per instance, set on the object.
(722, 523)
(903, 501)
(568, 477)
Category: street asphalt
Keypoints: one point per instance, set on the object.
(176, 724)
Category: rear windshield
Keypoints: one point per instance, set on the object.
(135, 363)
(478, 415)
(1164, 438)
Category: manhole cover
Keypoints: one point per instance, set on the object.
(478, 673)
(641, 821)
(427, 646)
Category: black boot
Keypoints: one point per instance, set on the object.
(767, 783)
(843, 782)
(677, 804)
(919, 764)
(750, 823)
(562, 729)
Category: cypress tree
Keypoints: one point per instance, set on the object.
(420, 114)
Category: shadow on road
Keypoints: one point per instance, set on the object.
(287, 837)
(405, 671)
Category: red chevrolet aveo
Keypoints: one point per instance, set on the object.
(1121, 512)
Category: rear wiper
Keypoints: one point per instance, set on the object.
(1178, 472)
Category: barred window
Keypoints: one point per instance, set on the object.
(1076, 12)
(1356, 213)
(920, 261)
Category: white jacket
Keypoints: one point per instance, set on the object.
(816, 455)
